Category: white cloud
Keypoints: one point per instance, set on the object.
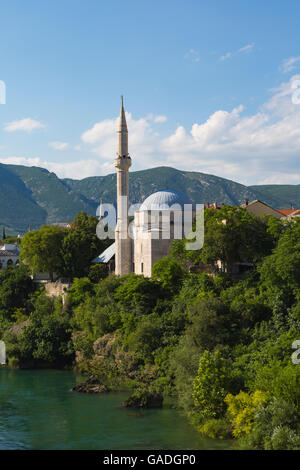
(254, 148)
(263, 147)
(26, 124)
(143, 139)
(247, 48)
(59, 145)
(99, 131)
(192, 55)
(160, 119)
(244, 49)
(288, 65)
(249, 148)
(226, 56)
(279, 178)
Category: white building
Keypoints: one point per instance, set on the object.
(157, 223)
(9, 255)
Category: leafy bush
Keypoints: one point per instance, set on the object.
(242, 409)
(216, 429)
(275, 427)
(211, 385)
(45, 338)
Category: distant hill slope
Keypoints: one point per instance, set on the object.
(280, 196)
(34, 196)
(17, 205)
(199, 187)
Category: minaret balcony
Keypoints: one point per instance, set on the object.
(123, 162)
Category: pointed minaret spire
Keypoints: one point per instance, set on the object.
(123, 163)
(122, 133)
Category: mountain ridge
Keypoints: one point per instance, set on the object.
(35, 196)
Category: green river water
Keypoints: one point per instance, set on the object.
(38, 410)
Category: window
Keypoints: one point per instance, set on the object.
(142, 267)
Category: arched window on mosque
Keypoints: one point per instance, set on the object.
(10, 262)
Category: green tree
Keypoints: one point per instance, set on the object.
(170, 274)
(41, 250)
(46, 339)
(80, 289)
(211, 385)
(211, 324)
(234, 235)
(81, 245)
(146, 337)
(97, 272)
(280, 272)
(15, 289)
(137, 293)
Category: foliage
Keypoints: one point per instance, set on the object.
(280, 382)
(80, 288)
(146, 337)
(234, 235)
(211, 385)
(41, 250)
(219, 344)
(242, 409)
(81, 245)
(136, 296)
(280, 272)
(212, 324)
(46, 338)
(65, 252)
(275, 427)
(216, 429)
(170, 274)
(15, 289)
(97, 272)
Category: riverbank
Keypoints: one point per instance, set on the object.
(38, 410)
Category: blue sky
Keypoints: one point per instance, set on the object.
(207, 86)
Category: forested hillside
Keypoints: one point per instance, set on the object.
(34, 196)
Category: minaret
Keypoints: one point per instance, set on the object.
(123, 261)
(101, 210)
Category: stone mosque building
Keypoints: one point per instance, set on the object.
(158, 221)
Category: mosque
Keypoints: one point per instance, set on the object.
(159, 220)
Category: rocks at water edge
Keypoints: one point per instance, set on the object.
(90, 386)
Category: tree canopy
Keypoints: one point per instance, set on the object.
(41, 250)
(65, 252)
(234, 235)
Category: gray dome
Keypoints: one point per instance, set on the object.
(163, 200)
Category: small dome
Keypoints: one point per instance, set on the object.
(163, 200)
